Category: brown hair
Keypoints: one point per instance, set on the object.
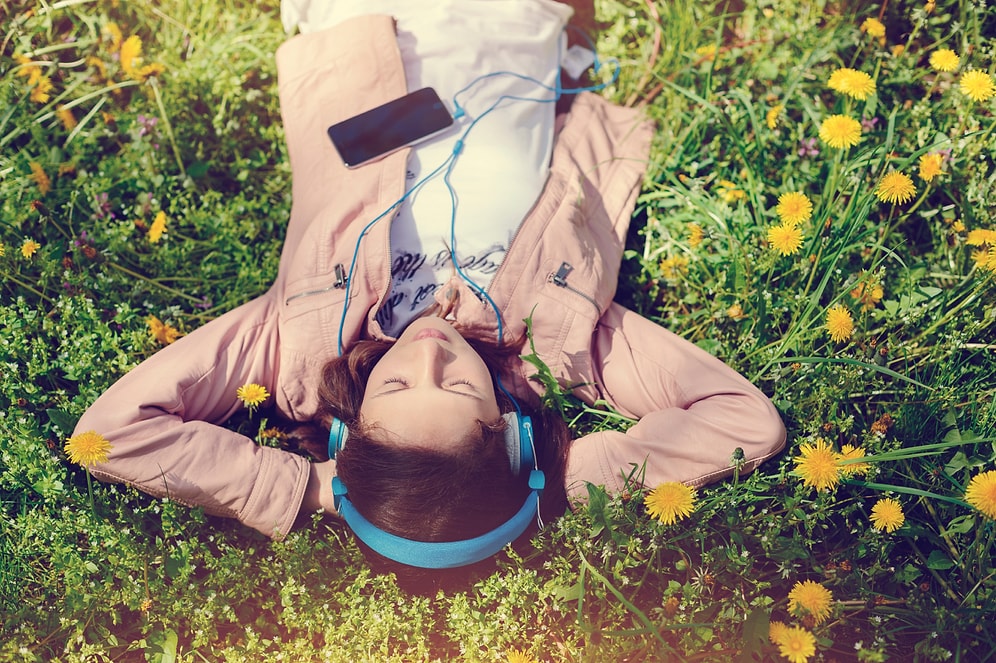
(428, 495)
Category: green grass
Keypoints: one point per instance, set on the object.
(95, 572)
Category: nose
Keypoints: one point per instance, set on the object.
(431, 358)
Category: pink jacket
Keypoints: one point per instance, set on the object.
(162, 418)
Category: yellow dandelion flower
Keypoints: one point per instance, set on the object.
(40, 177)
(898, 50)
(40, 93)
(771, 117)
(131, 60)
(840, 131)
(516, 656)
(252, 395)
(930, 166)
(87, 449)
(29, 248)
(785, 238)
(27, 69)
(164, 333)
(695, 235)
(981, 493)
(99, 65)
(113, 33)
(670, 502)
(273, 434)
(797, 645)
(3, 250)
(776, 631)
(980, 237)
(978, 85)
(131, 52)
(855, 84)
(808, 598)
(730, 192)
(873, 28)
(852, 454)
(990, 262)
(33, 73)
(895, 187)
(794, 208)
(131, 49)
(673, 267)
(158, 227)
(944, 59)
(958, 226)
(839, 323)
(887, 515)
(66, 116)
(707, 53)
(868, 292)
(153, 69)
(985, 258)
(817, 465)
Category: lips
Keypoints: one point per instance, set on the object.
(430, 333)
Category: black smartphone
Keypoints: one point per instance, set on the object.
(389, 127)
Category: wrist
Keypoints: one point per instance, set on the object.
(318, 493)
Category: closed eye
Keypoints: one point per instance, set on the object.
(404, 383)
(463, 388)
(401, 384)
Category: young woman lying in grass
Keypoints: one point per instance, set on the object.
(406, 291)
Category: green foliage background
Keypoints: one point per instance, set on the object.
(93, 572)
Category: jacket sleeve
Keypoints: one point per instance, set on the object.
(694, 411)
(162, 421)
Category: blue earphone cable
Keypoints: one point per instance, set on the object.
(356, 251)
(447, 168)
(557, 91)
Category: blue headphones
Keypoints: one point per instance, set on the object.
(449, 554)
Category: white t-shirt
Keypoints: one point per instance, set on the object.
(502, 168)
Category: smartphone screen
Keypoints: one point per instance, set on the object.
(388, 127)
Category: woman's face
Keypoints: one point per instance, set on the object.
(431, 388)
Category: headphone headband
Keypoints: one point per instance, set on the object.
(445, 554)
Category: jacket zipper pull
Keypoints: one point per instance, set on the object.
(340, 277)
(560, 278)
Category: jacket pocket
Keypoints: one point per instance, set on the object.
(563, 321)
(561, 279)
(311, 312)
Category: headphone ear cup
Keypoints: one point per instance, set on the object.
(519, 442)
(337, 437)
(512, 445)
